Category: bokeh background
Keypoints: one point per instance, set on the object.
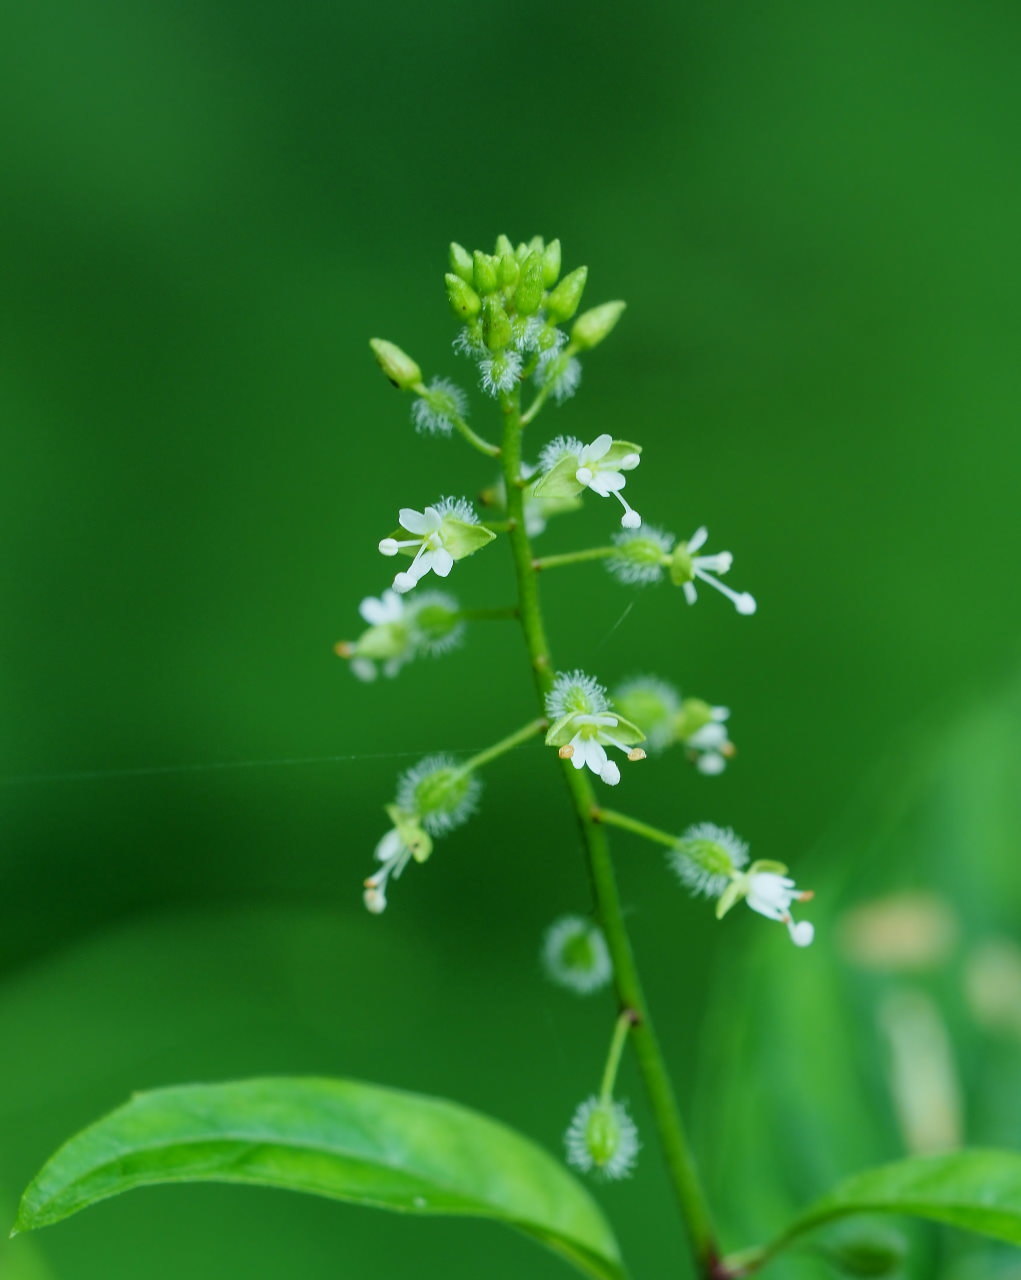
(812, 211)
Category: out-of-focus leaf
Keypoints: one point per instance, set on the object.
(978, 1191)
(335, 1138)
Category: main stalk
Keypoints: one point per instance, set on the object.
(670, 1128)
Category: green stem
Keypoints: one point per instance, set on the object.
(670, 1128)
(620, 1032)
(572, 557)
(505, 744)
(614, 819)
(488, 615)
(475, 440)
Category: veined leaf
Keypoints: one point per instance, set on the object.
(336, 1138)
(978, 1191)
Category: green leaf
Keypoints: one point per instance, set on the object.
(978, 1191)
(335, 1138)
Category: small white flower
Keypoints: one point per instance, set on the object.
(434, 411)
(771, 894)
(641, 556)
(430, 536)
(602, 1138)
(575, 955)
(388, 641)
(588, 746)
(582, 726)
(608, 479)
(705, 567)
(707, 858)
(395, 855)
(711, 744)
(500, 372)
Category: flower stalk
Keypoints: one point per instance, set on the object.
(684, 1176)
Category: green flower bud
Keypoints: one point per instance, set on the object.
(602, 1138)
(550, 263)
(438, 623)
(536, 245)
(508, 270)
(465, 302)
(496, 325)
(485, 274)
(528, 295)
(563, 302)
(503, 247)
(595, 325)
(461, 262)
(401, 370)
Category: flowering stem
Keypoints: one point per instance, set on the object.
(680, 1164)
(620, 1032)
(573, 557)
(614, 819)
(504, 745)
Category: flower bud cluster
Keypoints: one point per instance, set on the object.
(666, 719)
(401, 630)
(512, 303)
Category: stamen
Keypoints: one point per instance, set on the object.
(566, 752)
(636, 753)
(583, 475)
(742, 601)
(630, 519)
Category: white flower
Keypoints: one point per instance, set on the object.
(582, 724)
(705, 567)
(711, 743)
(605, 479)
(434, 410)
(602, 1137)
(771, 894)
(499, 372)
(434, 530)
(395, 855)
(575, 955)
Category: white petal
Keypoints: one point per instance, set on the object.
(718, 563)
(710, 735)
(690, 594)
(442, 561)
(373, 611)
(363, 669)
(711, 764)
(606, 482)
(697, 539)
(599, 446)
(610, 774)
(420, 522)
(629, 461)
(801, 933)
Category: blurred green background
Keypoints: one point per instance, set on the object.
(812, 211)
